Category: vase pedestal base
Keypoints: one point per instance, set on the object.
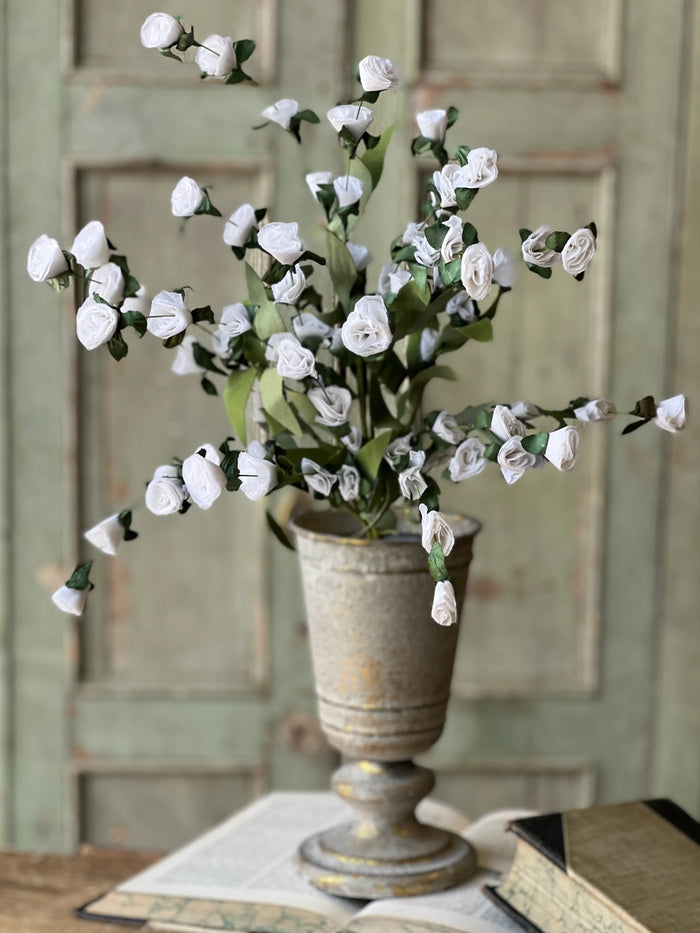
(386, 852)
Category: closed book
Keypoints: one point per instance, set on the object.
(618, 868)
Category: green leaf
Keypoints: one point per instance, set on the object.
(544, 273)
(79, 579)
(469, 234)
(117, 346)
(633, 426)
(392, 371)
(236, 395)
(302, 406)
(373, 159)
(203, 314)
(278, 532)
(479, 330)
(370, 455)
(341, 268)
(243, 48)
(645, 408)
(274, 402)
(536, 443)
(452, 114)
(208, 386)
(465, 196)
(267, 319)
(436, 563)
(205, 358)
(136, 320)
(408, 309)
(557, 240)
(435, 234)
(124, 518)
(462, 154)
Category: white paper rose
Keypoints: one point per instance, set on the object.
(90, 246)
(203, 476)
(184, 363)
(235, 321)
(353, 440)
(392, 279)
(514, 460)
(429, 339)
(314, 180)
(238, 227)
(505, 269)
(166, 492)
(445, 182)
(289, 288)
(435, 527)
(45, 259)
(332, 404)
(481, 168)
(463, 306)
(160, 31)
(293, 361)
(411, 481)
(477, 271)
(316, 478)
(671, 413)
(108, 282)
(425, 254)
(444, 610)
(446, 428)
(366, 330)
(281, 112)
(349, 483)
(70, 600)
(186, 197)
(106, 535)
(562, 447)
(282, 242)
(95, 323)
(377, 74)
(432, 124)
(354, 119)
(139, 302)
(536, 253)
(578, 251)
(307, 326)
(452, 245)
(505, 424)
(258, 476)
(216, 56)
(169, 315)
(360, 255)
(348, 190)
(598, 409)
(398, 448)
(524, 410)
(468, 460)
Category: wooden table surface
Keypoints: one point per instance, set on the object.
(38, 893)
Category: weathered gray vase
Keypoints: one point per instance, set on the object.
(382, 670)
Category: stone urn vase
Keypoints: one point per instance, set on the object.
(382, 670)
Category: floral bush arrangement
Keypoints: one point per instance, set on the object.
(336, 385)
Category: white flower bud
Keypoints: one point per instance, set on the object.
(435, 527)
(108, 282)
(444, 610)
(160, 31)
(70, 600)
(468, 460)
(481, 168)
(184, 363)
(366, 330)
(95, 323)
(307, 326)
(452, 245)
(392, 279)
(282, 242)
(348, 190)
(477, 271)
(107, 535)
(671, 413)
(432, 124)
(138, 302)
(428, 343)
(514, 460)
(186, 197)
(578, 251)
(360, 255)
(411, 481)
(332, 404)
(353, 440)
(536, 253)
(377, 74)
(505, 269)
(463, 306)
(505, 424)
(446, 428)
(562, 447)
(238, 227)
(215, 56)
(288, 290)
(524, 410)
(257, 475)
(235, 321)
(354, 119)
(281, 112)
(169, 315)
(203, 476)
(316, 478)
(293, 361)
(598, 409)
(314, 180)
(45, 259)
(349, 483)
(90, 246)
(166, 492)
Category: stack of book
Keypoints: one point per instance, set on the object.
(627, 868)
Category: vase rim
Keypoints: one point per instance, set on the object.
(333, 525)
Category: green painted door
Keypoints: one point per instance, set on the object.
(185, 690)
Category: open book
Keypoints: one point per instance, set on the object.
(242, 876)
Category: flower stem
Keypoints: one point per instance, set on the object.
(360, 374)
